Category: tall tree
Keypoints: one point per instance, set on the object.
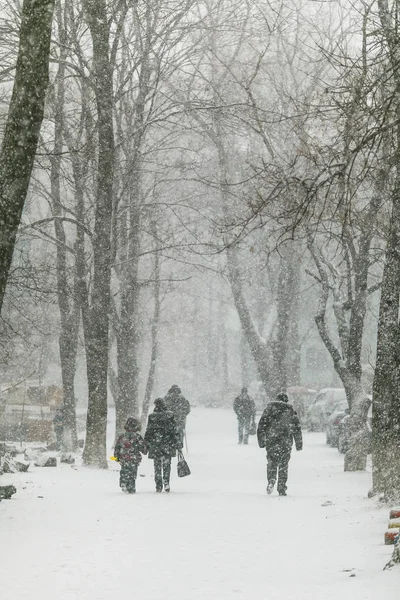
(386, 399)
(68, 299)
(25, 115)
(97, 332)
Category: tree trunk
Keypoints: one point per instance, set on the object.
(24, 120)
(128, 335)
(128, 331)
(294, 359)
(244, 359)
(386, 397)
(347, 360)
(287, 321)
(257, 347)
(154, 338)
(225, 357)
(97, 335)
(69, 307)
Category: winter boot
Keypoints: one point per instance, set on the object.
(270, 487)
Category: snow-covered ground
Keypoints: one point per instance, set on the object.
(70, 533)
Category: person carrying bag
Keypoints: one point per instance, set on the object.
(163, 441)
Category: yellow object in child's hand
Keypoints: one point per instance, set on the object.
(113, 458)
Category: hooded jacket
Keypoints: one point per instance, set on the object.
(244, 406)
(279, 426)
(130, 446)
(178, 405)
(161, 435)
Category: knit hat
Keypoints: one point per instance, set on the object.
(132, 424)
(160, 404)
(174, 388)
(282, 397)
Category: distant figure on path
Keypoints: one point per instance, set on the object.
(278, 426)
(163, 441)
(128, 451)
(245, 409)
(58, 425)
(180, 407)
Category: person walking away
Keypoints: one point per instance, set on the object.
(58, 425)
(128, 451)
(278, 427)
(180, 407)
(245, 409)
(163, 441)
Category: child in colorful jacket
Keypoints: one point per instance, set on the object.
(128, 451)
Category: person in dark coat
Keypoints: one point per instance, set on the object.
(163, 441)
(245, 409)
(180, 407)
(58, 425)
(128, 451)
(278, 426)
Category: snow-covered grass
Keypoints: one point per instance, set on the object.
(70, 533)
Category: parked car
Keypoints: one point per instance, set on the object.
(334, 423)
(301, 398)
(344, 431)
(324, 405)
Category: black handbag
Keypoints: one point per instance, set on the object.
(253, 428)
(182, 466)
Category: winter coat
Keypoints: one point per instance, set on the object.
(161, 435)
(58, 421)
(244, 407)
(278, 426)
(179, 406)
(129, 448)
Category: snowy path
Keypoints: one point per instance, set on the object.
(71, 534)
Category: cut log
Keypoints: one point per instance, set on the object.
(394, 512)
(390, 536)
(394, 524)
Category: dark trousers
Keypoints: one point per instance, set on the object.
(162, 471)
(278, 466)
(59, 435)
(244, 424)
(127, 477)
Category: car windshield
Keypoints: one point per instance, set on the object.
(341, 405)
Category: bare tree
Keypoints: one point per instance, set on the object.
(68, 300)
(97, 333)
(24, 120)
(386, 400)
(154, 329)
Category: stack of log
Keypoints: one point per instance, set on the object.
(393, 529)
(394, 526)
